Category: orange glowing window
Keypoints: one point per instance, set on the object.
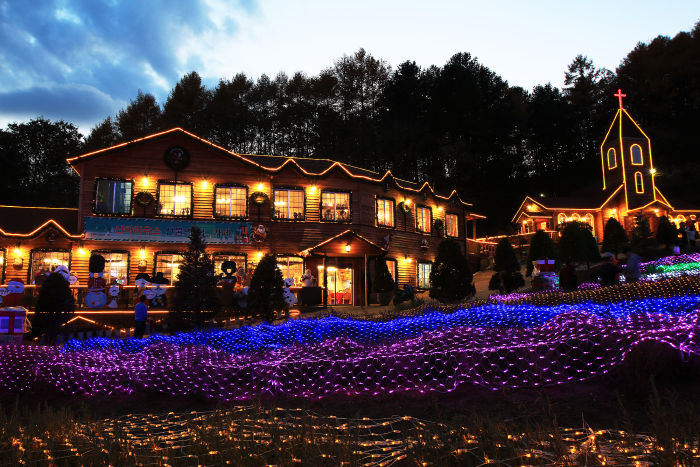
(612, 159)
(575, 217)
(561, 218)
(231, 201)
(385, 212)
(636, 151)
(423, 220)
(638, 182)
(451, 225)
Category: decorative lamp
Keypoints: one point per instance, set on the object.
(347, 248)
(653, 171)
(259, 255)
(313, 189)
(204, 183)
(18, 252)
(260, 186)
(407, 201)
(81, 250)
(408, 260)
(144, 181)
(143, 251)
(439, 208)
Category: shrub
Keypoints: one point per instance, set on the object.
(383, 282)
(54, 306)
(614, 236)
(507, 277)
(266, 292)
(450, 277)
(642, 236)
(666, 232)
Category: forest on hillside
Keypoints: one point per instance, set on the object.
(458, 126)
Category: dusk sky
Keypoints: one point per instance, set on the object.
(83, 60)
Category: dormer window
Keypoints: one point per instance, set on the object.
(612, 159)
(636, 154)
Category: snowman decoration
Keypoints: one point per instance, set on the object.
(96, 297)
(114, 293)
(289, 297)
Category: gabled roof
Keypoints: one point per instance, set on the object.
(336, 245)
(29, 222)
(318, 168)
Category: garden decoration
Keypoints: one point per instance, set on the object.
(289, 297)
(424, 246)
(307, 279)
(96, 297)
(114, 293)
(228, 268)
(158, 299)
(439, 224)
(259, 234)
(387, 241)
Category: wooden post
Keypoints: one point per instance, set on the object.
(474, 228)
(325, 281)
(367, 284)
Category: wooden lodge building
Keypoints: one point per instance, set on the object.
(626, 188)
(139, 199)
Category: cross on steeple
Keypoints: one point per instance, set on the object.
(620, 96)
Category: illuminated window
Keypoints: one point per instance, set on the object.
(113, 197)
(613, 214)
(575, 217)
(424, 275)
(423, 219)
(392, 264)
(292, 267)
(588, 219)
(239, 259)
(44, 262)
(638, 182)
(231, 201)
(116, 267)
(561, 218)
(636, 154)
(169, 265)
(385, 212)
(612, 159)
(289, 204)
(335, 206)
(175, 199)
(451, 225)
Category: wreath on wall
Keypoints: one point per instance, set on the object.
(143, 198)
(405, 208)
(258, 197)
(439, 224)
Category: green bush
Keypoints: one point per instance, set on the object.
(507, 277)
(450, 277)
(266, 291)
(54, 306)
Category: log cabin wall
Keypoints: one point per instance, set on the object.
(144, 164)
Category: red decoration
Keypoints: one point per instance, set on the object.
(619, 95)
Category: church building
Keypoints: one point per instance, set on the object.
(627, 188)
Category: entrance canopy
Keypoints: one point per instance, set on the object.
(348, 244)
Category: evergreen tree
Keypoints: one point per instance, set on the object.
(592, 250)
(666, 233)
(642, 236)
(195, 287)
(450, 277)
(102, 135)
(54, 306)
(142, 117)
(542, 247)
(186, 106)
(507, 277)
(573, 242)
(382, 282)
(614, 237)
(266, 291)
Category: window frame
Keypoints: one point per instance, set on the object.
(111, 179)
(214, 254)
(638, 181)
(123, 252)
(273, 210)
(44, 250)
(641, 155)
(559, 216)
(320, 207)
(294, 255)
(231, 185)
(174, 216)
(457, 223)
(165, 252)
(376, 212)
(418, 265)
(614, 154)
(430, 219)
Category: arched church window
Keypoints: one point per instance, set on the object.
(612, 159)
(575, 217)
(636, 154)
(638, 182)
(561, 218)
(589, 220)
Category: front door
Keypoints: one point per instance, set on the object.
(340, 281)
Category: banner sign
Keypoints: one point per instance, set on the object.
(120, 229)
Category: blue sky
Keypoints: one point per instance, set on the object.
(82, 60)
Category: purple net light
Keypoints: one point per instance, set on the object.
(571, 346)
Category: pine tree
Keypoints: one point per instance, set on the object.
(383, 282)
(195, 287)
(542, 247)
(508, 276)
(642, 236)
(450, 277)
(592, 251)
(54, 306)
(266, 292)
(666, 233)
(614, 236)
(573, 242)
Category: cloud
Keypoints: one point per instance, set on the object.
(53, 50)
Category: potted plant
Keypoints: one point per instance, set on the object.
(383, 284)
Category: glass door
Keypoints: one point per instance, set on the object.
(340, 285)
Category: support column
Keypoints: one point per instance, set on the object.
(474, 229)
(367, 284)
(325, 281)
